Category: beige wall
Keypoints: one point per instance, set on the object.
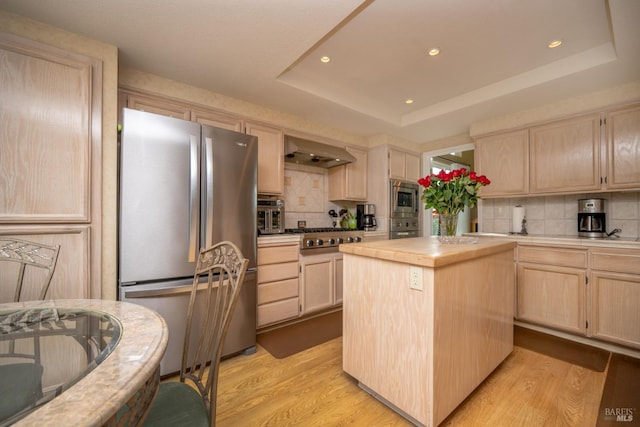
(108, 54)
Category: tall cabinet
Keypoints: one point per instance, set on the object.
(50, 158)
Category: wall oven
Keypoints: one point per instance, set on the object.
(270, 216)
(404, 210)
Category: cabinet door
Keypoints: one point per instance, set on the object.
(270, 158)
(338, 281)
(317, 283)
(349, 182)
(623, 148)
(397, 165)
(216, 120)
(615, 308)
(504, 159)
(158, 106)
(565, 156)
(412, 167)
(552, 296)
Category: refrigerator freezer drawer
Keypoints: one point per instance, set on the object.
(171, 300)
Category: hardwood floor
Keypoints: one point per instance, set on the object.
(310, 389)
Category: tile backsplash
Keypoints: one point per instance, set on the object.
(558, 215)
(306, 197)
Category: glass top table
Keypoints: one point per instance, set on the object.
(63, 345)
(80, 362)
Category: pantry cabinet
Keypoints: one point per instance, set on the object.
(565, 156)
(50, 159)
(349, 182)
(615, 295)
(504, 158)
(277, 282)
(551, 287)
(623, 148)
(270, 157)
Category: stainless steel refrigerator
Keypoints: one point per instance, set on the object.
(184, 186)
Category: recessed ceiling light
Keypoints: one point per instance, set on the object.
(408, 101)
(434, 51)
(325, 59)
(554, 43)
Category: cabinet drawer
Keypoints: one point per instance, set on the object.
(275, 272)
(276, 291)
(618, 262)
(575, 258)
(276, 254)
(277, 311)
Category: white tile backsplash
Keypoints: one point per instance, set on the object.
(558, 215)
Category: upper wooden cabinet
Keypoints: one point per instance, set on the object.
(404, 166)
(270, 158)
(217, 120)
(349, 182)
(157, 106)
(504, 159)
(623, 148)
(565, 156)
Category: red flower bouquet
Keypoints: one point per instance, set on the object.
(450, 192)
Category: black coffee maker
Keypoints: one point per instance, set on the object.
(592, 221)
(366, 217)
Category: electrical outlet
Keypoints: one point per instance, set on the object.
(415, 278)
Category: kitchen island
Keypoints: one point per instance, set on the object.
(424, 322)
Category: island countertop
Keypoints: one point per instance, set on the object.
(427, 251)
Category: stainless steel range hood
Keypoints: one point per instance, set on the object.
(305, 152)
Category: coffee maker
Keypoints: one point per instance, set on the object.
(366, 217)
(592, 221)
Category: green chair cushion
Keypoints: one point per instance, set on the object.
(20, 387)
(177, 404)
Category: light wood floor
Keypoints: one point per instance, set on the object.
(310, 389)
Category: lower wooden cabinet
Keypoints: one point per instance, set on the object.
(277, 283)
(320, 282)
(589, 291)
(615, 296)
(551, 287)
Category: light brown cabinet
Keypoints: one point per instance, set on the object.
(504, 159)
(565, 156)
(404, 166)
(551, 287)
(321, 282)
(277, 283)
(270, 157)
(217, 120)
(615, 296)
(349, 182)
(50, 158)
(623, 148)
(156, 106)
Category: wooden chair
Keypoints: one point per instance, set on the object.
(21, 384)
(178, 403)
(29, 254)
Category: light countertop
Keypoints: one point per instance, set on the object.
(427, 251)
(563, 240)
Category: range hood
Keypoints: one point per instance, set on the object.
(305, 152)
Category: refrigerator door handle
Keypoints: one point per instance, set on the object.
(208, 149)
(194, 196)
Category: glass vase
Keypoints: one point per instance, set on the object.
(448, 224)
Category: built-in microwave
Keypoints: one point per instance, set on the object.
(404, 199)
(270, 216)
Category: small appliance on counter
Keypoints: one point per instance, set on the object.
(270, 216)
(366, 217)
(592, 222)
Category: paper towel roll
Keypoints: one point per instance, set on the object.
(518, 216)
